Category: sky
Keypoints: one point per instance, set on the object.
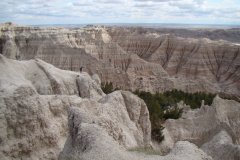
(35, 12)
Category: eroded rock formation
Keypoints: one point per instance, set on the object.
(214, 128)
(49, 113)
(131, 58)
(43, 117)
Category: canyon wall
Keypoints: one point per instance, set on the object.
(131, 58)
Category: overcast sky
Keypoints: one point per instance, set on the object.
(120, 11)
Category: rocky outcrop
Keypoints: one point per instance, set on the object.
(222, 147)
(213, 128)
(131, 58)
(43, 117)
(192, 64)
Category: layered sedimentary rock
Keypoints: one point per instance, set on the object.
(131, 58)
(192, 64)
(48, 113)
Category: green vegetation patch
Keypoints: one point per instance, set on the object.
(108, 87)
(163, 106)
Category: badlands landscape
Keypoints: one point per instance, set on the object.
(134, 58)
(50, 110)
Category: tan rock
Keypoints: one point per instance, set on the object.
(132, 58)
(213, 128)
(43, 117)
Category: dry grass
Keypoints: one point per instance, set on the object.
(145, 150)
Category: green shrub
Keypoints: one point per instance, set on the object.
(163, 106)
(157, 134)
(107, 87)
(174, 113)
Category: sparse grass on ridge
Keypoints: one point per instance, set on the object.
(145, 150)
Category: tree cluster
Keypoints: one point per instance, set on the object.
(163, 106)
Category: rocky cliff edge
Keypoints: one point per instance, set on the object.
(48, 113)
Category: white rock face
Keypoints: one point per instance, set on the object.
(42, 117)
(213, 128)
(89, 88)
(222, 147)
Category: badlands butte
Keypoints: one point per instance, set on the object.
(137, 58)
(48, 111)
